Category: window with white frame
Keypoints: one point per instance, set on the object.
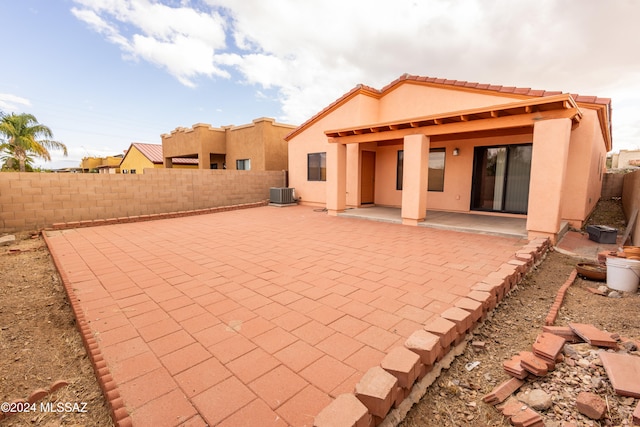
(243, 164)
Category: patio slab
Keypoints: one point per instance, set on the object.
(259, 316)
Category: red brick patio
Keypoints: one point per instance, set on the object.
(259, 316)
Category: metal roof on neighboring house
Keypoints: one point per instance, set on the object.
(153, 152)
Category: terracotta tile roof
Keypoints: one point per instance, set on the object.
(517, 91)
(502, 89)
(153, 152)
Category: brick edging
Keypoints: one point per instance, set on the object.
(386, 393)
(555, 308)
(149, 217)
(111, 394)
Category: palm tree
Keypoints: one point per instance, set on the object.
(25, 136)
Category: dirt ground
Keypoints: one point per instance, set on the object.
(455, 398)
(39, 344)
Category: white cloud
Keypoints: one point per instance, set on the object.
(311, 52)
(12, 103)
(180, 39)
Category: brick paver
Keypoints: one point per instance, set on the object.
(260, 314)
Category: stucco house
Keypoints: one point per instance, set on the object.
(258, 146)
(625, 159)
(423, 143)
(141, 156)
(108, 164)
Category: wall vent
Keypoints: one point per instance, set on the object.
(282, 196)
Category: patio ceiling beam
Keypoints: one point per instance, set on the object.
(503, 122)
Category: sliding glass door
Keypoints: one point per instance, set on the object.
(501, 178)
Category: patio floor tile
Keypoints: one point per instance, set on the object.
(224, 319)
(202, 376)
(252, 364)
(327, 373)
(256, 413)
(222, 400)
(298, 355)
(277, 386)
(168, 410)
(304, 406)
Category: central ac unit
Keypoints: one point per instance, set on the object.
(282, 195)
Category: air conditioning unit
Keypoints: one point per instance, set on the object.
(282, 196)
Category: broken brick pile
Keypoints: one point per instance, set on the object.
(623, 371)
(386, 386)
(34, 397)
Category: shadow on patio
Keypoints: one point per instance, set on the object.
(453, 221)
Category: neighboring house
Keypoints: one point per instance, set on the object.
(625, 159)
(140, 156)
(258, 146)
(424, 143)
(109, 164)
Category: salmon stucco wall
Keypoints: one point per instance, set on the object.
(458, 172)
(419, 99)
(585, 167)
(31, 201)
(361, 109)
(568, 154)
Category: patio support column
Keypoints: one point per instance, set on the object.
(353, 175)
(336, 178)
(415, 179)
(168, 162)
(548, 168)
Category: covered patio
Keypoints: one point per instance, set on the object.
(453, 221)
(528, 204)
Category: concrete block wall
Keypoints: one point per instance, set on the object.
(32, 201)
(611, 185)
(631, 201)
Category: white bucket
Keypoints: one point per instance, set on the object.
(623, 274)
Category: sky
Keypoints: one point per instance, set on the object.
(105, 73)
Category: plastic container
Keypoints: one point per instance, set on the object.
(602, 233)
(623, 274)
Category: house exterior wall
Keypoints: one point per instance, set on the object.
(275, 147)
(31, 201)
(137, 161)
(414, 100)
(199, 140)
(625, 158)
(458, 172)
(580, 148)
(261, 141)
(361, 109)
(90, 163)
(585, 168)
(408, 100)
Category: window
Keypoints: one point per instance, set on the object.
(133, 171)
(125, 171)
(213, 166)
(436, 169)
(317, 167)
(243, 165)
(399, 171)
